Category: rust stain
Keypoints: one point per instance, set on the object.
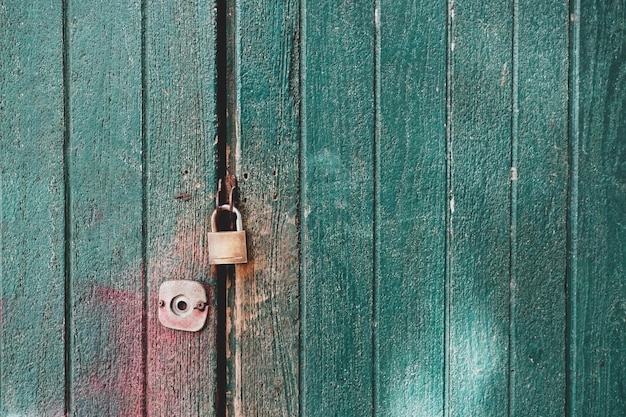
(182, 196)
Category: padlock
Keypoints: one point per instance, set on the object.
(227, 247)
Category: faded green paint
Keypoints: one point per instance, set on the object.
(90, 171)
(479, 155)
(336, 208)
(598, 214)
(264, 321)
(410, 206)
(32, 370)
(180, 132)
(433, 193)
(104, 188)
(538, 209)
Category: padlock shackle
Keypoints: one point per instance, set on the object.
(226, 207)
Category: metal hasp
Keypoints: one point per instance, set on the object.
(183, 305)
(227, 247)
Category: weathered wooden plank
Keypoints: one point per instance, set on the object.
(265, 149)
(539, 201)
(337, 208)
(410, 196)
(598, 227)
(32, 371)
(105, 192)
(180, 129)
(479, 222)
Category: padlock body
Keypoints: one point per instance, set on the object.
(227, 247)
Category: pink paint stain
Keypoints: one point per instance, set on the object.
(159, 371)
(113, 380)
(180, 372)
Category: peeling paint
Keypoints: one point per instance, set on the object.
(505, 73)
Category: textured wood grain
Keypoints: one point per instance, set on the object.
(479, 227)
(410, 208)
(180, 132)
(539, 203)
(337, 208)
(598, 235)
(492, 291)
(265, 149)
(105, 192)
(32, 371)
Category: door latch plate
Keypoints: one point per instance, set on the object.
(183, 305)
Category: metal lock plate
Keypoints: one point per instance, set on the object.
(183, 305)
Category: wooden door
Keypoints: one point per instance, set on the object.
(433, 194)
(108, 127)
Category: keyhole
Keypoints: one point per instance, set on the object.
(180, 305)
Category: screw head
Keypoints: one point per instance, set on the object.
(161, 303)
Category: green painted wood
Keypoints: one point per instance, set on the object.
(539, 203)
(337, 208)
(180, 130)
(410, 207)
(598, 231)
(479, 152)
(32, 370)
(105, 195)
(483, 292)
(265, 148)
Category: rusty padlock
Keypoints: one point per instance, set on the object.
(227, 247)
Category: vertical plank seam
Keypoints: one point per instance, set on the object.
(448, 207)
(513, 197)
(65, 4)
(375, 208)
(222, 274)
(2, 101)
(221, 341)
(301, 215)
(222, 87)
(572, 209)
(144, 205)
(1, 282)
(232, 100)
(228, 61)
(236, 85)
(235, 103)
